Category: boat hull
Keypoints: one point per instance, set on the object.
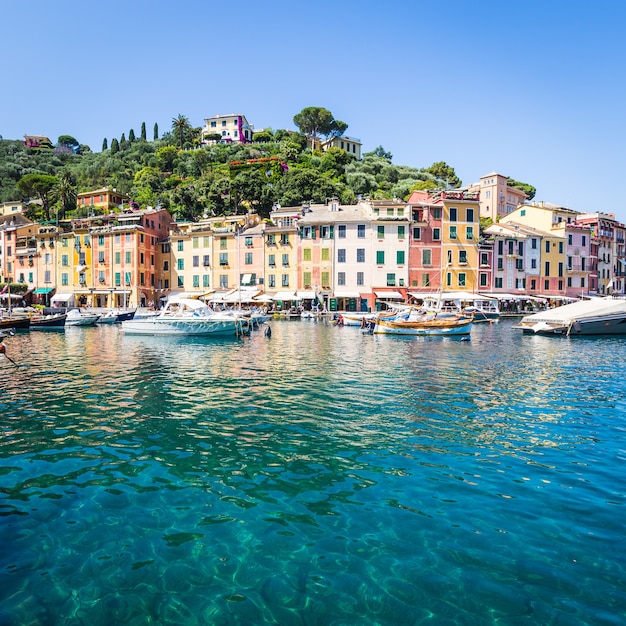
(52, 322)
(17, 323)
(160, 326)
(439, 328)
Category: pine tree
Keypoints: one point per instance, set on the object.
(143, 131)
(105, 145)
(156, 131)
(131, 135)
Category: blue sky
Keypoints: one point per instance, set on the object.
(532, 89)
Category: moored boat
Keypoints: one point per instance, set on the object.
(598, 316)
(45, 322)
(417, 322)
(185, 316)
(75, 317)
(16, 322)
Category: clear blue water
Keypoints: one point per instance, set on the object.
(316, 477)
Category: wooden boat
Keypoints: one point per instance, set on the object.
(416, 322)
(45, 322)
(15, 322)
(598, 316)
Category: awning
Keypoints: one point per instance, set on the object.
(246, 279)
(241, 295)
(63, 297)
(81, 268)
(175, 295)
(347, 294)
(306, 295)
(43, 290)
(622, 261)
(264, 298)
(389, 295)
(285, 296)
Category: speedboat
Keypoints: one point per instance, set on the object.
(185, 316)
(598, 316)
(76, 317)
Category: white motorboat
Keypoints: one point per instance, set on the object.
(185, 316)
(598, 316)
(75, 317)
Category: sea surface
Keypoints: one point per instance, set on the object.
(319, 476)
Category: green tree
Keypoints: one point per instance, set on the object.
(131, 135)
(66, 190)
(529, 190)
(379, 151)
(445, 174)
(143, 131)
(156, 132)
(105, 145)
(115, 145)
(167, 156)
(181, 128)
(317, 122)
(41, 186)
(69, 141)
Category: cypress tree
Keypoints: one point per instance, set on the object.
(156, 131)
(115, 146)
(131, 135)
(105, 145)
(143, 131)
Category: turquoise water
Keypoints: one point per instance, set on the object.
(315, 477)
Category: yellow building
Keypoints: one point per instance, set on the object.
(281, 255)
(459, 239)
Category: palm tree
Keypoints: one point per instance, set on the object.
(66, 189)
(180, 128)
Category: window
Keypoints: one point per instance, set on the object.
(285, 260)
(271, 281)
(306, 231)
(325, 232)
(483, 279)
(248, 258)
(584, 241)
(469, 215)
(463, 257)
(425, 280)
(417, 233)
(400, 257)
(360, 255)
(462, 282)
(547, 272)
(205, 280)
(560, 247)
(248, 241)
(380, 257)
(101, 257)
(560, 269)
(325, 279)
(65, 280)
(436, 234)
(547, 246)
(223, 259)
(436, 213)
(325, 254)
(166, 266)
(100, 240)
(510, 245)
(360, 278)
(341, 231)
(469, 232)
(271, 260)
(500, 264)
(341, 255)
(401, 230)
(341, 278)
(271, 240)
(306, 278)
(196, 280)
(519, 264)
(180, 264)
(65, 261)
(284, 239)
(569, 240)
(223, 243)
(180, 244)
(498, 283)
(101, 277)
(484, 258)
(533, 264)
(360, 231)
(206, 261)
(533, 244)
(453, 232)
(195, 261)
(285, 280)
(391, 280)
(453, 214)
(448, 279)
(427, 256)
(449, 255)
